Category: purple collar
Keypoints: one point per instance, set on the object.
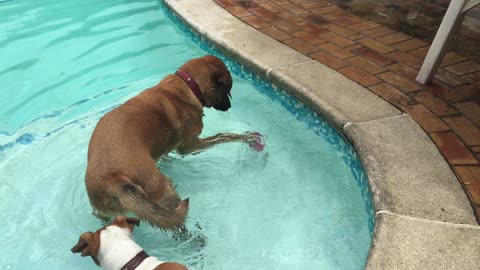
(192, 84)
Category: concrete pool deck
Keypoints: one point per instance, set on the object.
(423, 217)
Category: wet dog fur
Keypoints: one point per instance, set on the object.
(122, 175)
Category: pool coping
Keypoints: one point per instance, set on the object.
(423, 218)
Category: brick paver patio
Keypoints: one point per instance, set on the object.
(386, 62)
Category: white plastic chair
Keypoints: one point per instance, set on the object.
(450, 23)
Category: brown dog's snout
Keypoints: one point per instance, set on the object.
(224, 106)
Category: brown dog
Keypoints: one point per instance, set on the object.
(121, 172)
(113, 248)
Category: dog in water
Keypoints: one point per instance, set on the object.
(113, 248)
(122, 175)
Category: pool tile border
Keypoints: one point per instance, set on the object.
(374, 128)
(387, 62)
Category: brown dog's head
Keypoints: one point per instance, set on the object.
(89, 243)
(214, 80)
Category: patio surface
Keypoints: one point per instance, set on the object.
(386, 62)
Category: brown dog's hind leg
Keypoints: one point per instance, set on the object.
(160, 188)
(170, 199)
(103, 217)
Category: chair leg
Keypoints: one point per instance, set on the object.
(450, 23)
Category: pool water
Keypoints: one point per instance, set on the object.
(302, 203)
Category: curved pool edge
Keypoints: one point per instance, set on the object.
(420, 207)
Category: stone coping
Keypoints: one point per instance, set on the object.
(423, 218)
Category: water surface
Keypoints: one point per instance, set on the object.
(300, 204)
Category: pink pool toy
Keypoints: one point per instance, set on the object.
(257, 143)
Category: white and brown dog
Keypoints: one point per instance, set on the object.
(113, 248)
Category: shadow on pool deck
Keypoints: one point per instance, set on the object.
(421, 19)
(386, 62)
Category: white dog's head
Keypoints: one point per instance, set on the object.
(89, 242)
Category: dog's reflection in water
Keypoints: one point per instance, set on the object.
(181, 234)
(195, 239)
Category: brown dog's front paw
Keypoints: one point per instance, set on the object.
(255, 141)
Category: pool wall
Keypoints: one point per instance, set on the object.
(423, 219)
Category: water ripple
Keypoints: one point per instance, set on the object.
(23, 65)
(28, 138)
(85, 71)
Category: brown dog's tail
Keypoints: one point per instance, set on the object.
(134, 199)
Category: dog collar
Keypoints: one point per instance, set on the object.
(135, 261)
(192, 85)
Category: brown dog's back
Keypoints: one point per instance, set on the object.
(121, 173)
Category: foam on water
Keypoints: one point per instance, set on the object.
(302, 203)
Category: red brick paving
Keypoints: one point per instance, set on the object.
(307, 37)
(336, 39)
(435, 104)
(359, 76)
(463, 68)
(393, 38)
(420, 53)
(470, 110)
(465, 129)
(276, 33)
(335, 50)
(391, 94)
(451, 58)
(470, 177)
(405, 59)
(376, 45)
(238, 11)
(301, 46)
(453, 149)
(374, 56)
(378, 32)
(444, 92)
(402, 83)
(410, 45)
(255, 22)
(328, 60)
(366, 65)
(428, 120)
(473, 78)
(347, 21)
(403, 70)
(449, 78)
(386, 62)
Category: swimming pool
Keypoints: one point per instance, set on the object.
(301, 204)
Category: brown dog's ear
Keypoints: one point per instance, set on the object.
(220, 78)
(83, 245)
(223, 80)
(133, 221)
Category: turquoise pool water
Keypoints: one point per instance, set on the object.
(302, 203)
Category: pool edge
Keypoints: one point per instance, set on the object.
(331, 96)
